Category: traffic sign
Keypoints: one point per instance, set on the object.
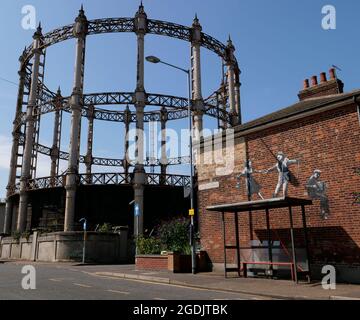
(191, 212)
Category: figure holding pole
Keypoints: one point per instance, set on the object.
(282, 167)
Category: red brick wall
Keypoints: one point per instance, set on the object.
(329, 141)
(152, 262)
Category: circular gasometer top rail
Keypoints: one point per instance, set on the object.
(115, 25)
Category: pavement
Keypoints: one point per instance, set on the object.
(245, 287)
(265, 288)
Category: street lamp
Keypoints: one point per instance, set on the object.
(155, 60)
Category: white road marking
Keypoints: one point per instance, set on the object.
(159, 299)
(251, 296)
(81, 285)
(120, 292)
(55, 280)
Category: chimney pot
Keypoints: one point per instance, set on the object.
(306, 84)
(323, 77)
(332, 74)
(314, 81)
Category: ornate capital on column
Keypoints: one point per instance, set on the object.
(230, 49)
(81, 24)
(38, 33)
(140, 20)
(38, 38)
(196, 31)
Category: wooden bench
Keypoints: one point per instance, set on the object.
(288, 264)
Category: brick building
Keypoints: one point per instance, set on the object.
(322, 130)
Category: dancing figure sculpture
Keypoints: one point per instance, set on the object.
(282, 167)
(252, 186)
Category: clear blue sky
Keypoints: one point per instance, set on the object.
(279, 43)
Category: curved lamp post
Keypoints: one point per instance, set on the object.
(153, 59)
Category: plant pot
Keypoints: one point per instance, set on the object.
(179, 263)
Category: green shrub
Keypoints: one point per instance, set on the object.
(174, 235)
(148, 245)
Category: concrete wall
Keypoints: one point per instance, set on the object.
(67, 246)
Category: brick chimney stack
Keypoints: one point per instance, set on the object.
(323, 77)
(314, 81)
(306, 84)
(324, 88)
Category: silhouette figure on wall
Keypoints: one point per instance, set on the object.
(316, 190)
(251, 185)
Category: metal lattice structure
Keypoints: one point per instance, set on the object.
(36, 100)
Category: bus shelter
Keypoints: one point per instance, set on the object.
(266, 206)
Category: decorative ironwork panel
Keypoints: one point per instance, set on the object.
(111, 25)
(168, 29)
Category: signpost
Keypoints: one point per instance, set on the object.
(84, 246)
(137, 214)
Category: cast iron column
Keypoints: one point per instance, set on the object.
(231, 81)
(164, 161)
(198, 106)
(26, 166)
(15, 147)
(127, 120)
(90, 140)
(56, 137)
(80, 31)
(140, 101)
(237, 94)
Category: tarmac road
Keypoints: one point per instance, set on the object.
(68, 282)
